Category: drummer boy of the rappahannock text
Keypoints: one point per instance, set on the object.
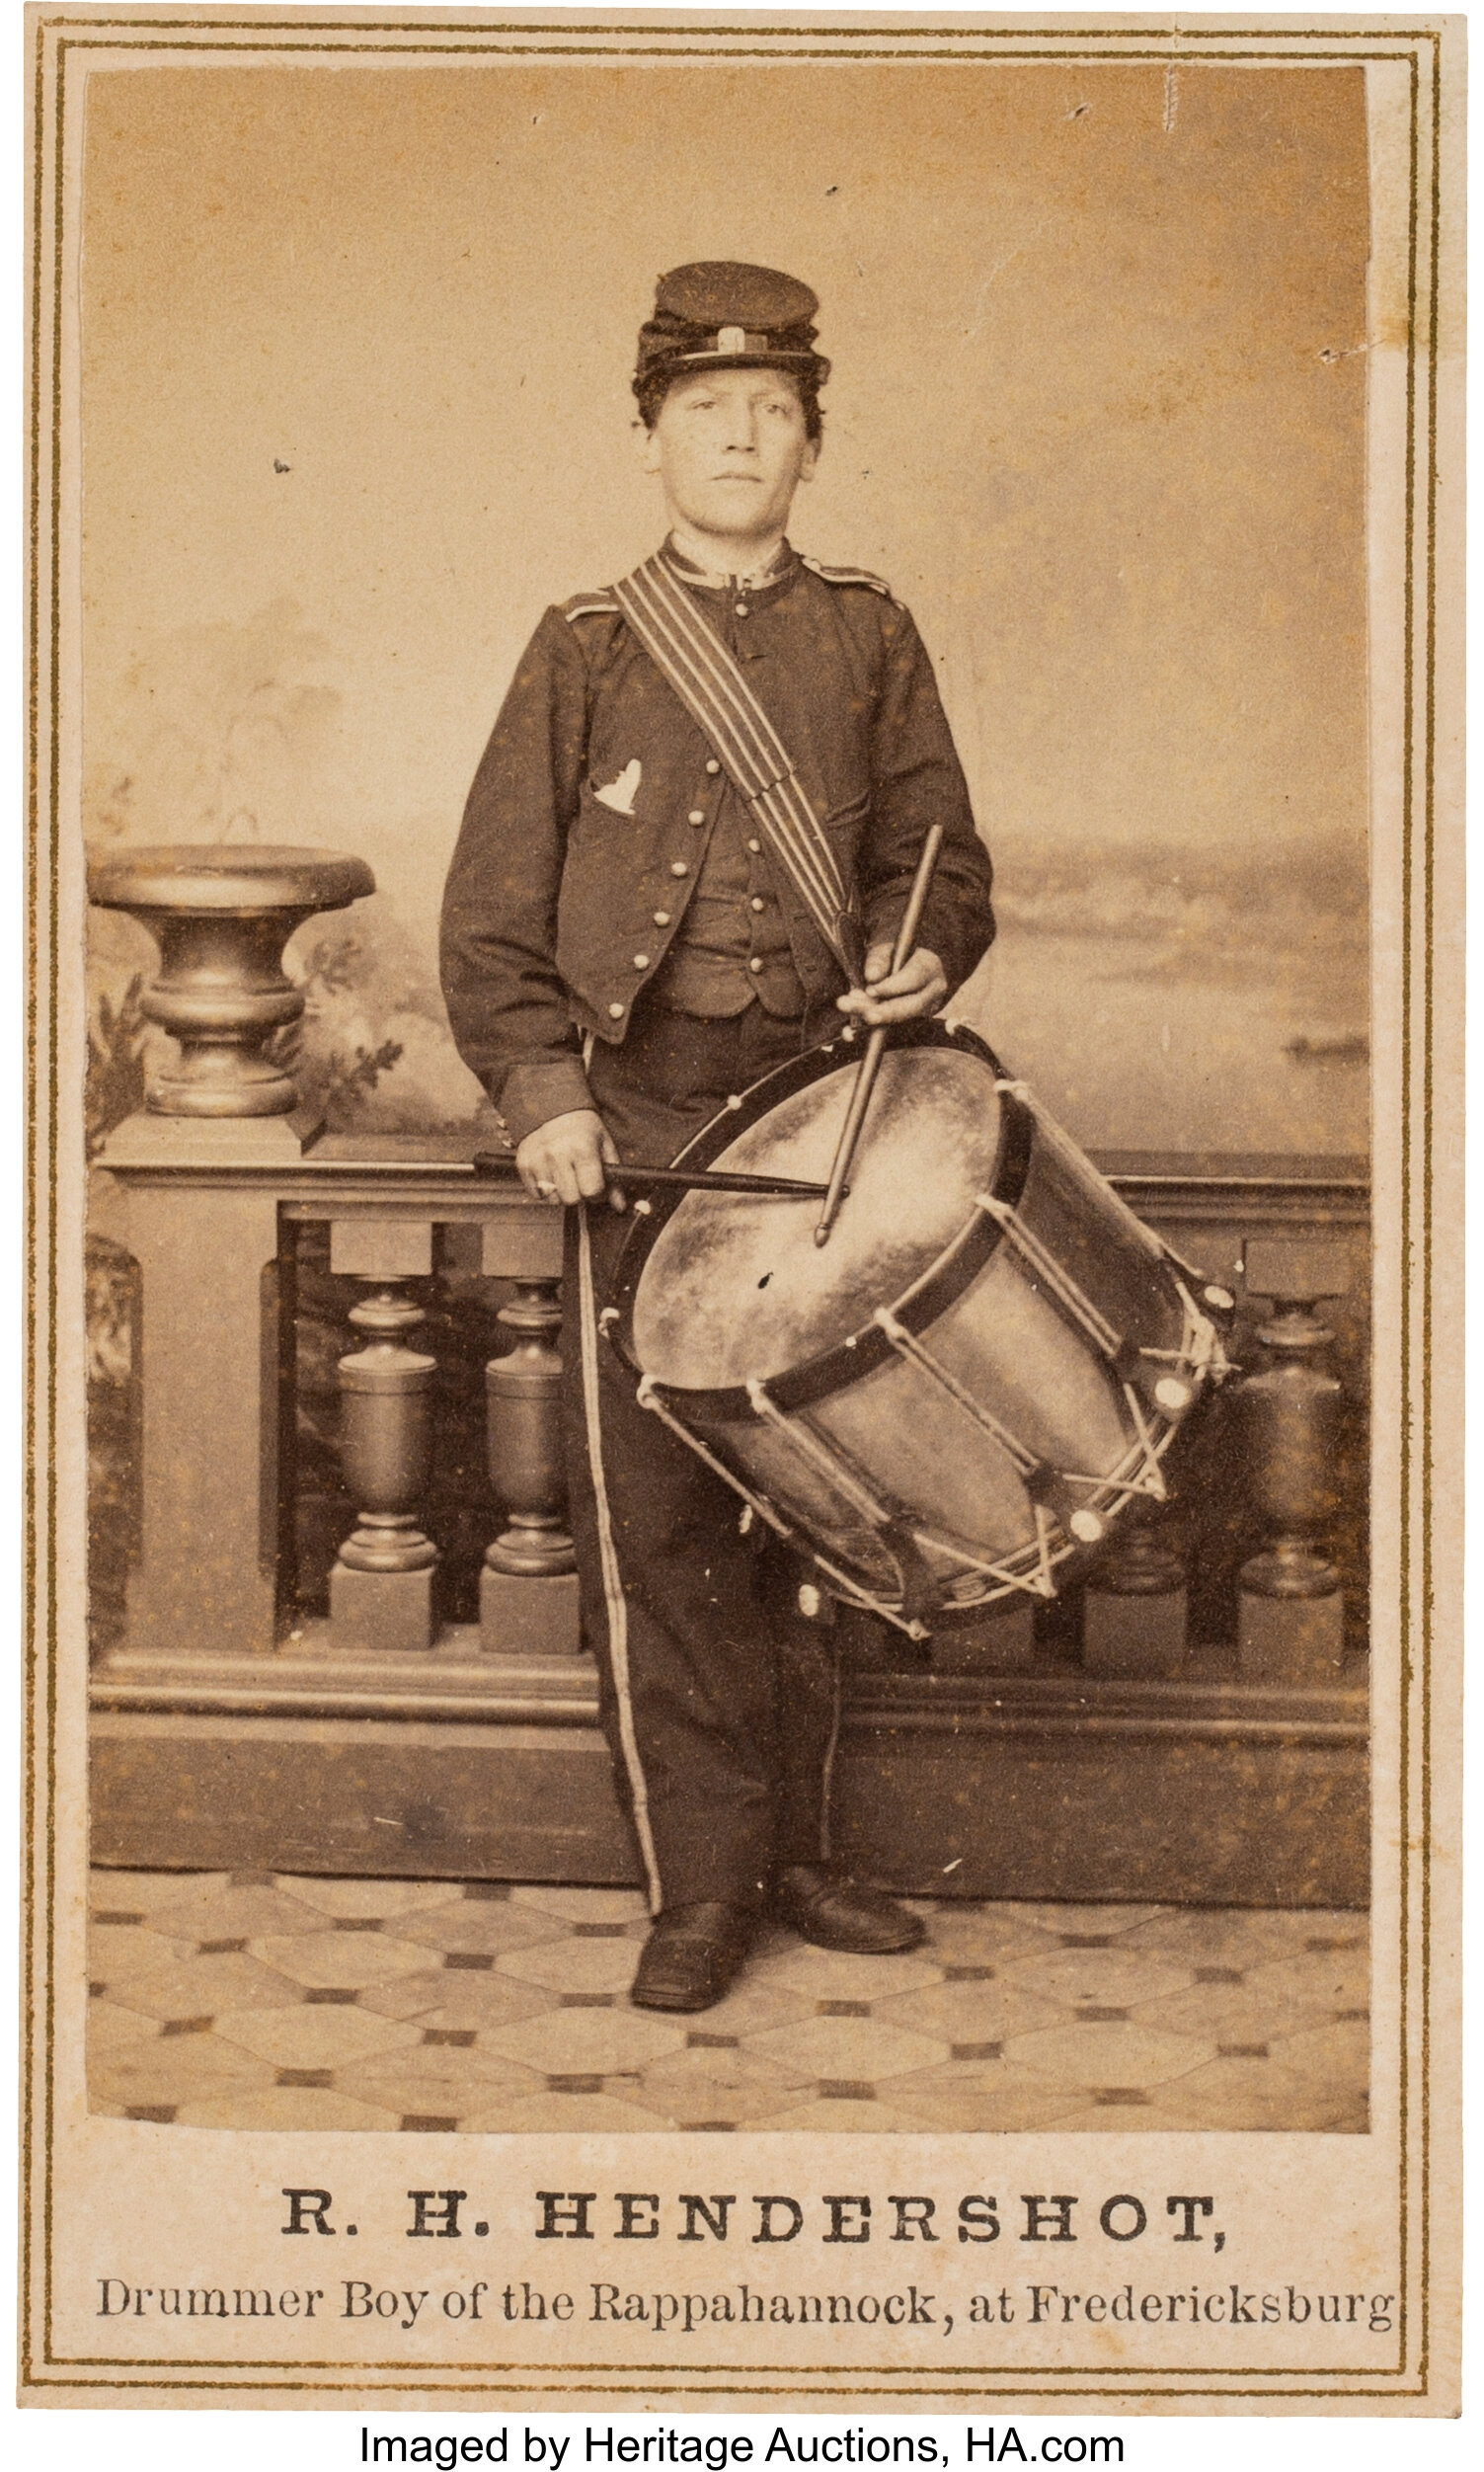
(700, 813)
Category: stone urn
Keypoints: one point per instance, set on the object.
(221, 917)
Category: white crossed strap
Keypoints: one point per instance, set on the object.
(692, 658)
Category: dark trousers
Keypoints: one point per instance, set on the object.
(719, 1699)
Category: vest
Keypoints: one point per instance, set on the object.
(733, 946)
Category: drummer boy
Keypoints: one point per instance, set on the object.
(627, 942)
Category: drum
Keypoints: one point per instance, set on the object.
(966, 1386)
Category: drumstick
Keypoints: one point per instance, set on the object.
(687, 1179)
(870, 1063)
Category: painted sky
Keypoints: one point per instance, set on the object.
(357, 349)
(1097, 409)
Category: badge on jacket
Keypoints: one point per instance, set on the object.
(621, 794)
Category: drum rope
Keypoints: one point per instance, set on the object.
(1047, 1267)
(907, 1345)
(850, 1591)
(755, 1501)
(1118, 1487)
(1155, 1485)
(877, 1513)
(1149, 1243)
(1170, 1254)
(1138, 1476)
(796, 1431)
(1158, 1248)
(1040, 1584)
(1203, 1349)
(855, 1592)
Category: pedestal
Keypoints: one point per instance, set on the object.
(1296, 1639)
(527, 1617)
(382, 1612)
(1134, 1612)
(1133, 1636)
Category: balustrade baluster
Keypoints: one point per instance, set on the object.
(527, 1589)
(523, 1391)
(1134, 1611)
(381, 1585)
(1290, 1617)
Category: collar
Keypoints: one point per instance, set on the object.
(704, 579)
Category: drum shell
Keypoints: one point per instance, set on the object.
(1028, 1352)
(1020, 1354)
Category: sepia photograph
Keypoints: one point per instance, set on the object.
(739, 1116)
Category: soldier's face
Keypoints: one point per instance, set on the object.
(729, 449)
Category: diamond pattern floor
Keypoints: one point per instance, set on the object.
(230, 2001)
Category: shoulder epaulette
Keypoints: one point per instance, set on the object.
(588, 605)
(848, 575)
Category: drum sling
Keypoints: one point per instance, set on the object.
(692, 658)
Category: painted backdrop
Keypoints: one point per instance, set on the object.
(356, 406)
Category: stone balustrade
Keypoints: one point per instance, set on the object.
(218, 1180)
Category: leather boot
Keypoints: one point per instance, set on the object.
(692, 1956)
(837, 1913)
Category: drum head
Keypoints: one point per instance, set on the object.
(736, 1290)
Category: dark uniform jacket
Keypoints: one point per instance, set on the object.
(562, 903)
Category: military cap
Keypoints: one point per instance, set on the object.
(720, 315)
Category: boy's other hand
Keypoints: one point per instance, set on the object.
(906, 995)
(567, 1159)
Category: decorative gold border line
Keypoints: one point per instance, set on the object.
(32, 1417)
(738, 51)
(728, 2386)
(1261, 30)
(56, 493)
(1366, 43)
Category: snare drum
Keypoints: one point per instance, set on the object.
(966, 1386)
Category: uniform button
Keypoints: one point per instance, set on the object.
(698, 815)
(711, 765)
(641, 961)
(758, 903)
(756, 963)
(677, 866)
(662, 918)
(616, 1012)
(741, 607)
(755, 847)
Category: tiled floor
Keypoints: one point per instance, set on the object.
(225, 2001)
